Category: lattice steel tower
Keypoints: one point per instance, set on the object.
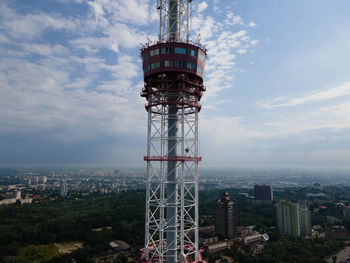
(173, 76)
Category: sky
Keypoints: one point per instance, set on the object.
(277, 79)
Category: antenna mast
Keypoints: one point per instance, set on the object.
(174, 20)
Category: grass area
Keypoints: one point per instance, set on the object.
(39, 253)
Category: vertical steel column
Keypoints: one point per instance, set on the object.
(196, 175)
(147, 219)
(173, 20)
(182, 180)
(172, 186)
(162, 238)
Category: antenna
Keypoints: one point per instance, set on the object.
(174, 20)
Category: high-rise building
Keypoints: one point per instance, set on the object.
(263, 192)
(305, 220)
(226, 216)
(346, 212)
(42, 180)
(287, 215)
(293, 219)
(35, 180)
(63, 188)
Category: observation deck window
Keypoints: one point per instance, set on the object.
(193, 53)
(155, 65)
(147, 68)
(181, 64)
(146, 56)
(180, 50)
(167, 50)
(191, 65)
(167, 63)
(201, 57)
(154, 52)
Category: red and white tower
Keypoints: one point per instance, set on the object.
(173, 76)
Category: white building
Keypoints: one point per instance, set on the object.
(8, 201)
(293, 219)
(305, 220)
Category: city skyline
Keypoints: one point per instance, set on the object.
(276, 77)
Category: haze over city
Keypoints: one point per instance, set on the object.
(276, 76)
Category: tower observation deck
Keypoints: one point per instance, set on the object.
(173, 85)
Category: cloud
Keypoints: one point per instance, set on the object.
(37, 99)
(224, 45)
(202, 6)
(115, 25)
(225, 130)
(97, 8)
(123, 72)
(242, 51)
(254, 42)
(317, 124)
(135, 12)
(222, 53)
(252, 24)
(33, 25)
(232, 19)
(334, 117)
(204, 26)
(44, 49)
(51, 90)
(213, 105)
(70, 1)
(315, 96)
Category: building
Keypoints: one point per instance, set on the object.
(217, 247)
(256, 238)
(226, 216)
(243, 196)
(334, 221)
(293, 219)
(15, 195)
(35, 180)
(26, 201)
(42, 180)
(8, 201)
(254, 243)
(336, 233)
(346, 212)
(11, 198)
(305, 220)
(245, 230)
(263, 192)
(316, 196)
(11, 187)
(63, 188)
(119, 245)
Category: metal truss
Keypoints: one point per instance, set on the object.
(174, 20)
(182, 200)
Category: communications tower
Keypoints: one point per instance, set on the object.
(173, 85)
